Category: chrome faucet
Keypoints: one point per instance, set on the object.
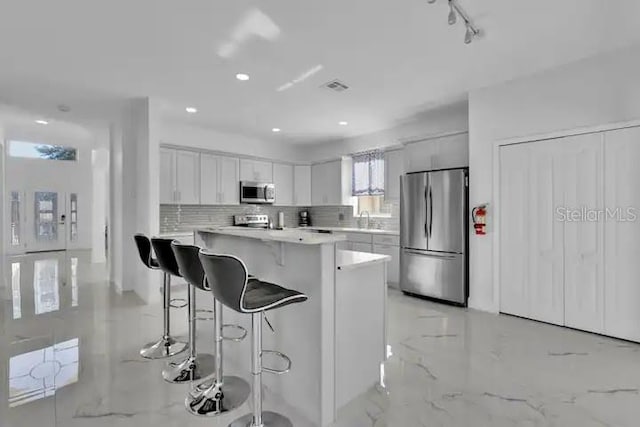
(368, 219)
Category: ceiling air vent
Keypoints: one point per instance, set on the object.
(336, 85)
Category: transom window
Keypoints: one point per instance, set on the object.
(32, 150)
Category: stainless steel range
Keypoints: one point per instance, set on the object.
(251, 220)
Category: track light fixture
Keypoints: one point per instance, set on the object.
(452, 14)
(456, 10)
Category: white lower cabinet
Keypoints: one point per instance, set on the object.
(569, 238)
(393, 266)
(362, 247)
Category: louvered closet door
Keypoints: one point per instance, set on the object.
(514, 230)
(584, 238)
(545, 275)
(622, 246)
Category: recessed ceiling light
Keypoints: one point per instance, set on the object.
(275, 130)
(242, 76)
(191, 110)
(42, 122)
(343, 123)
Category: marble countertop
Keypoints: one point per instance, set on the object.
(288, 235)
(176, 233)
(353, 259)
(357, 230)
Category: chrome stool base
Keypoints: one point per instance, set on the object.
(212, 398)
(189, 369)
(166, 347)
(269, 419)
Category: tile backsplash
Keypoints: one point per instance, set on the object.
(178, 218)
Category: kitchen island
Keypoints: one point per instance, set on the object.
(336, 339)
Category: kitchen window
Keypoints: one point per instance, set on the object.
(367, 184)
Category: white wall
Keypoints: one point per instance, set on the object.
(209, 139)
(596, 91)
(437, 122)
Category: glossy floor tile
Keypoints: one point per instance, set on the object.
(69, 353)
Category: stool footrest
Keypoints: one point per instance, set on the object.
(178, 303)
(280, 355)
(242, 336)
(204, 317)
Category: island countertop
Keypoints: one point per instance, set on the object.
(353, 259)
(291, 235)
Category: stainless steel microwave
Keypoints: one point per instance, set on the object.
(257, 192)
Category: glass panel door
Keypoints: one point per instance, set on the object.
(46, 222)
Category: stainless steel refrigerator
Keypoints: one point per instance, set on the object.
(434, 234)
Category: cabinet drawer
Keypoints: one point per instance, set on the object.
(386, 240)
(359, 237)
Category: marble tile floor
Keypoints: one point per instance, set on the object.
(77, 365)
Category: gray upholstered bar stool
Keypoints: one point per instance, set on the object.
(231, 285)
(167, 346)
(221, 393)
(194, 366)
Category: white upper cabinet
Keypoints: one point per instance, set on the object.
(188, 177)
(179, 176)
(256, 170)
(438, 153)
(229, 180)
(393, 169)
(219, 180)
(326, 183)
(209, 180)
(301, 185)
(584, 240)
(283, 181)
(167, 176)
(622, 231)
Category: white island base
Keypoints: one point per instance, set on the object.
(336, 339)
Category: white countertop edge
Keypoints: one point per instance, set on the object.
(177, 233)
(291, 235)
(357, 230)
(352, 259)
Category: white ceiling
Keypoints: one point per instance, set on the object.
(399, 57)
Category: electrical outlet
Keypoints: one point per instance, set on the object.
(340, 217)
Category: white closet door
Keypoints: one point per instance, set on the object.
(546, 233)
(514, 229)
(584, 235)
(209, 180)
(622, 244)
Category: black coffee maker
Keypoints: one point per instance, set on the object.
(304, 220)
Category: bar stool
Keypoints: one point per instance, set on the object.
(167, 346)
(193, 367)
(207, 398)
(231, 285)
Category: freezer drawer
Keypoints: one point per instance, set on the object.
(436, 275)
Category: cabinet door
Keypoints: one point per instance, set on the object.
(393, 169)
(393, 266)
(546, 233)
(333, 179)
(188, 177)
(229, 181)
(167, 176)
(622, 231)
(318, 184)
(209, 180)
(283, 180)
(301, 186)
(361, 247)
(256, 170)
(584, 238)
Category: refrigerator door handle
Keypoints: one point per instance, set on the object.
(429, 254)
(430, 218)
(426, 222)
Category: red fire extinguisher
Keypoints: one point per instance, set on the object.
(479, 215)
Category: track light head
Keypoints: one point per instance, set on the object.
(470, 34)
(453, 17)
